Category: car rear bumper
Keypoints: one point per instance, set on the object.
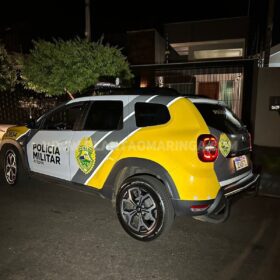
(247, 182)
(217, 210)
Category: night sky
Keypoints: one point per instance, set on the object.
(49, 18)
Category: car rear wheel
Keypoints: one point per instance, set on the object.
(144, 208)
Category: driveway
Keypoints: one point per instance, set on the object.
(48, 231)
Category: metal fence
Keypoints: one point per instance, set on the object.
(20, 105)
(234, 81)
(229, 80)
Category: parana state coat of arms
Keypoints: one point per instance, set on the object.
(85, 155)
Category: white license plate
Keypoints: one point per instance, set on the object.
(240, 162)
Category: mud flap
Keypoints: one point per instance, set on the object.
(218, 212)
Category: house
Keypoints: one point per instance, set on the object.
(205, 57)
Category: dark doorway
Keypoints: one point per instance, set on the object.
(209, 89)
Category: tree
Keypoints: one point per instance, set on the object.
(8, 76)
(71, 66)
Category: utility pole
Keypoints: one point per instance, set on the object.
(167, 52)
(87, 21)
(268, 32)
(249, 8)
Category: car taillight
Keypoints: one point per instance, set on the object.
(207, 148)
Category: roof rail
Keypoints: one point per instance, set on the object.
(136, 91)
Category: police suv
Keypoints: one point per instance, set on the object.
(154, 156)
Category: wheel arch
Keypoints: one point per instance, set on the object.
(15, 145)
(129, 167)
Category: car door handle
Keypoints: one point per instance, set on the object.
(112, 145)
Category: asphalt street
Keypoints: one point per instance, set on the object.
(48, 231)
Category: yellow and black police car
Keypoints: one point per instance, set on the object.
(154, 156)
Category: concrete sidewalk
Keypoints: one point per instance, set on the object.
(267, 163)
(269, 185)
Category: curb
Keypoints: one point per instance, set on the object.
(269, 185)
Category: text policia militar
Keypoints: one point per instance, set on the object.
(46, 153)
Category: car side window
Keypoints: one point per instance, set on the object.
(105, 115)
(150, 114)
(63, 119)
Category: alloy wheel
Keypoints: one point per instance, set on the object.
(10, 167)
(140, 209)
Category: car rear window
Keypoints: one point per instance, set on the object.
(220, 117)
(150, 114)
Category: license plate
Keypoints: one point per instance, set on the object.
(240, 162)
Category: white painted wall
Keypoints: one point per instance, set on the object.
(275, 56)
(267, 124)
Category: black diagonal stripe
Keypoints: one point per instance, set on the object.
(115, 136)
(163, 99)
(118, 136)
(97, 135)
(101, 152)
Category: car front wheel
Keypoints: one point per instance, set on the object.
(11, 167)
(11, 170)
(144, 207)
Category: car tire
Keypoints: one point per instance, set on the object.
(144, 207)
(11, 166)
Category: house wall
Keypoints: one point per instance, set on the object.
(141, 47)
(275, 56)
(160, 46)
(145, 47)
(208, 30)
(267, 123)
(234, 101)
